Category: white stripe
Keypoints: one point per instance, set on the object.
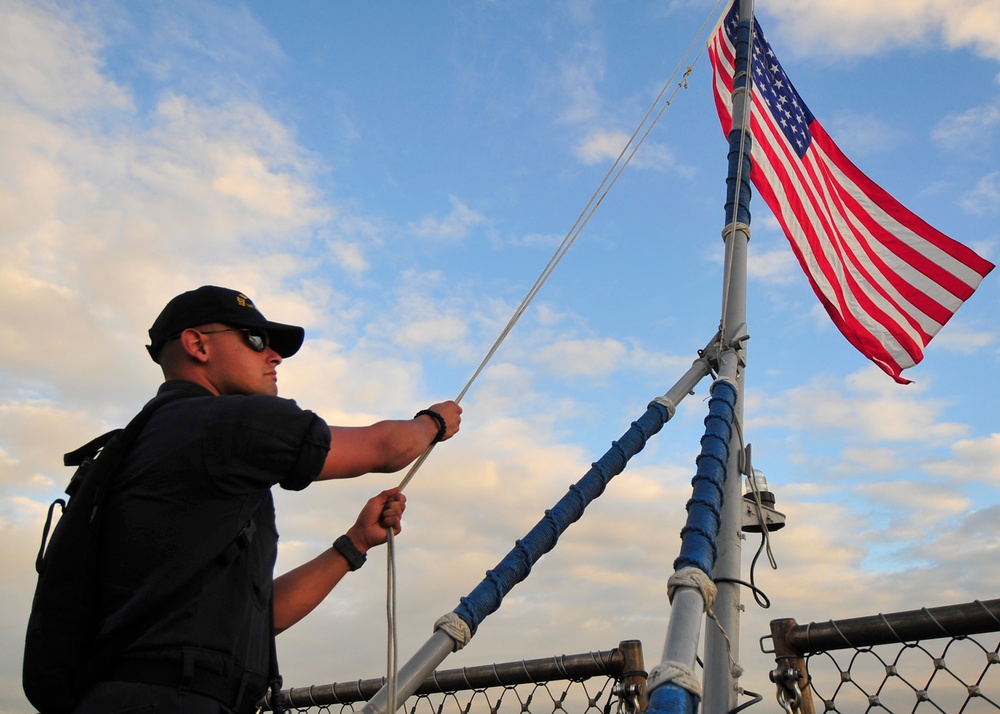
(933, 253)
(848, 303)
(850, 242)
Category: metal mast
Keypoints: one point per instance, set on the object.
(720, 682)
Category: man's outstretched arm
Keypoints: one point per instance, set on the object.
(390, 445)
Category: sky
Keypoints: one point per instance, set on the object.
(395, 176)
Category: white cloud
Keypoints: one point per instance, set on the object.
(864, 134)
(915, 507)
(582, 357)
(967, 130)
(49, 62)
(973, 460)
(454, 226)
(866, 405)
(578, 80)
(984, 199)
(350, 256)
(101, 221)
(963, 338)
(865, 28)
(602, 146)
(774, 267)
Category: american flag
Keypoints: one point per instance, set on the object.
(887, 279)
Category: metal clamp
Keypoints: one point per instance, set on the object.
(788, 693)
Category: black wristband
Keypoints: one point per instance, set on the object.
(442, 424)
(354, 557)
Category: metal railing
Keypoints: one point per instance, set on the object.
(919, 660)
(605, 682)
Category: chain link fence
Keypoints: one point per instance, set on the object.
(606, 682)
(931, 660)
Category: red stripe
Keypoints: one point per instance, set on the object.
(863, 294)
(874, 231)
(904, 216)
(795, 192)
(933, 271)
(837, 195)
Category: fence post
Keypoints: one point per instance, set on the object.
(790, 674)
(633, 676)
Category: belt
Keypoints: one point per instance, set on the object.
(240, 693)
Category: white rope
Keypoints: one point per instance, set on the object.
(668, 404)
(731, 382)
(693, 578)
(697, 579)
(392, 647)
(674, 673)
(456, 628)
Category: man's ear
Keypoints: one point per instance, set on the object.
(194, 345)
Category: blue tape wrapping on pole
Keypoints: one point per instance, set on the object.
(740, 142)
(516, 565)
(672, 699)
(698, 537)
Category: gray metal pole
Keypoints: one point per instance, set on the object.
(414, 672)
(684, 628)
(720, 684)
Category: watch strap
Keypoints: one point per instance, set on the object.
(354, 557)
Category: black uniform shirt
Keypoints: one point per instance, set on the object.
(201, 469)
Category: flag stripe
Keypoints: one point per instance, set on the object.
(888, 279)
(884, 296)
(959, 277)
(823, 260)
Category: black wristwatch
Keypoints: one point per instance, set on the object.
(345, 546)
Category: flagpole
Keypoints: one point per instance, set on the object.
(722, 642)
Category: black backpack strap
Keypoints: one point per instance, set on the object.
(85, 458)
(88, 450)
(113, 445)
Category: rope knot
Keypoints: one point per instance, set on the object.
(693, 578)
(456, 628)
(676, 673)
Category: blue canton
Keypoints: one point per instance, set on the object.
(773, 87)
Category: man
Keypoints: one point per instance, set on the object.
(195, 489)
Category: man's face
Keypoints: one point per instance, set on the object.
(235, 366)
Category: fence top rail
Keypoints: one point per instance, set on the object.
(609, 663)
(791, 639)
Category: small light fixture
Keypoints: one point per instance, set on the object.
(758, 518)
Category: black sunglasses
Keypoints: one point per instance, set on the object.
(257, 339)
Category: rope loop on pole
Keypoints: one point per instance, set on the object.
(456, 628)
(731, 228)
(694, 578)
(676, 673)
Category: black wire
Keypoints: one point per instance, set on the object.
(758, 595)
(745, 705)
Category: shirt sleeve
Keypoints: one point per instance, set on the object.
(260, 440)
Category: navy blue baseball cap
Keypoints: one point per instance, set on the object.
(214, 304)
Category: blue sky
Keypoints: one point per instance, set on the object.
(394, 176)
